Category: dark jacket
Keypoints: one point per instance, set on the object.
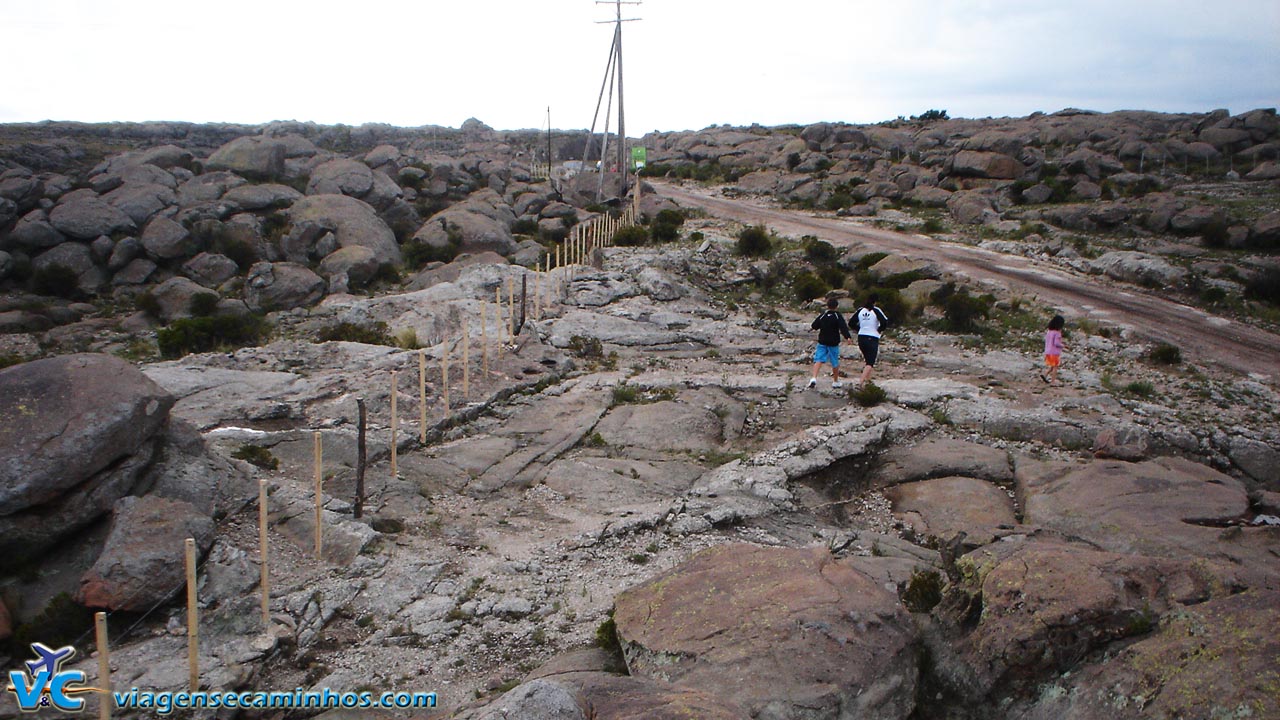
(830, 326)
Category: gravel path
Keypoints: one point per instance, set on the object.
(1205, 338)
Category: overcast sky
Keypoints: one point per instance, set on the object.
(687, 64)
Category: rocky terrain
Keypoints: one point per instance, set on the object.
(638, 511)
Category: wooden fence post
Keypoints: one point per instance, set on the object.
(484, 337)
(193, 620)
(104, 667)
(497, 313)
(466, 359)
(422, 396)
(444, 378)
(511, 308)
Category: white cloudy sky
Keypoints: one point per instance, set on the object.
(687, 63)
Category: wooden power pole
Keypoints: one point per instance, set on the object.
(615, 67)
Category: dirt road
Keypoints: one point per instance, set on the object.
(1203, 338)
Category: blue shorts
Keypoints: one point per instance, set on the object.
(827, 354)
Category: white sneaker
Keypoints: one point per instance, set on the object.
(813, 382)
(837, 385)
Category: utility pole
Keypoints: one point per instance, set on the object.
(616, 59)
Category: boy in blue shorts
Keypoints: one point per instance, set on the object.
(830, 326)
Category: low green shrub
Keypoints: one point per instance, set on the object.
(819, 252)
(754, 242)
(1140, 388)
(376, 334)
(1165, 354)
(206, 334)
(669, 217)
(961, 312)
(1264, 287)
(868, 395)
(664, 232)
(526, 226)
(203, 304)
(923, 591)
(258, 456)
(808, 286)
(417, 253)
(631, 236)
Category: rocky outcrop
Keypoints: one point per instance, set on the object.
(282, 286)
(808, 635)
(1019, 612)
(142, 562)
(77, 433)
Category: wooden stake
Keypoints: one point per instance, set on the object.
(395, 425)
(444, 378)
(497, 314)
(193, 620)
(319, 492)
(466, 359)
(264, 577)
(511, 309)
(484, 336)
(557, 256)
(422, 396)
(104, 667)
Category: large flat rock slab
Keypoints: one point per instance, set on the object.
(943, 507)
(786, 632)
(1167, 507)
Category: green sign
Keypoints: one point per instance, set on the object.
(638, 155)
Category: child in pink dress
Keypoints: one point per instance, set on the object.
(1053, 349)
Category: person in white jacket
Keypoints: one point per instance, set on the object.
(871, 321)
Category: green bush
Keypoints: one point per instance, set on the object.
(665, 232)
(1264, 286)
(866, 261)
(669, 217)
(819, 252)
(147, 303)
(1213, 295)
(631, 236)
(838, 201)
(525, 227)
(1140, 388)
(933, 226)
(962, 311)
(808, 286)
(417, 254)
(203, 304)
(206, 334)
(257, 455)
(625, 394)
(868, 394)
(923, 591)
(586, 348)
(56, 280)
(754, 242)
(1165, 354)
(377, 334)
